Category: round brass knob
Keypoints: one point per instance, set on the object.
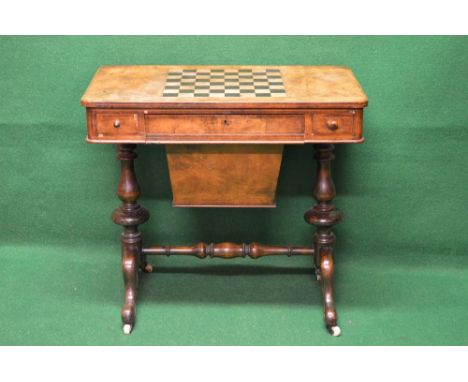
(332, 125)
(116, 123)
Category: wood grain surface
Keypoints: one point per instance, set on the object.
(143, 86)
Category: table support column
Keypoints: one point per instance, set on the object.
(324, 215)
(129, 215)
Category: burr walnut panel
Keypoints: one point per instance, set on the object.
(117, 124)
(225, 126)
(214, 175)
(303, 86)
(335, 125)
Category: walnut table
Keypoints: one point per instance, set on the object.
(224, 128)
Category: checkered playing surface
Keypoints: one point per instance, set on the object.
(224, 83)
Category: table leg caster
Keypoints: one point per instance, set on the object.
(148, 268)
(318, 275)
(335, 331)
(127, 328)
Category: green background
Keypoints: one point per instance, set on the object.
(401, 262)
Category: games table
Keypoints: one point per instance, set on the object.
(224, 128)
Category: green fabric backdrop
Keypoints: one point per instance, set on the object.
(401, 258)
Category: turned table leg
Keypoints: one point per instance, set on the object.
(324, 215)
(129, 215)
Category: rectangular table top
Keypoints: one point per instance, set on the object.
(151, 86)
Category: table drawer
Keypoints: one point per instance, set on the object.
(335, 125)
(117, 125)
(226, 126)
(205, 126)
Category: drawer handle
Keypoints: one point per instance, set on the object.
(332, 125)
(116, 123)
(226, 122)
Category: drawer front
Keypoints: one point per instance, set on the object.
(184, 126)
(225, 126)
(335, 125)
(117, 125)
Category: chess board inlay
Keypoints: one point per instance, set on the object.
(224, 83)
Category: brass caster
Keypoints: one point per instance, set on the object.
(127, 328)
(335, 331)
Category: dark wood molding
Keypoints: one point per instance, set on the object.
(228, 250)
(129, 215)
(323, 216)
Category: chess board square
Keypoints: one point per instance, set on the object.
(232, 94)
